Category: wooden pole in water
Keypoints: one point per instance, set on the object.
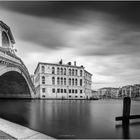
(126, 110)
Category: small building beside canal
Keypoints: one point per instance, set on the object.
(62, 81)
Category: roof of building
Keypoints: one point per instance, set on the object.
(65, 65)
(88, 72)
(6, 27)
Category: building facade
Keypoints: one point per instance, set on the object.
(62, 81)
(108, 92)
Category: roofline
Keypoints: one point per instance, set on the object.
(9, 31)
(88, 72)
(65, 65)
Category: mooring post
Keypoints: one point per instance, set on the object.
(126, 110)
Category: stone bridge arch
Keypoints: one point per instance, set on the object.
(14, 84)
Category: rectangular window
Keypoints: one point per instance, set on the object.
(69, 90)
(81, 82)
(81, 96)
(53, 90)
(61, 90)
(43, 90)
(69, 96)
(81, 91)
(75, 96)
(65, 91)
(58, 90)
(73, 91)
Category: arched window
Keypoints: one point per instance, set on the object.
(53, 80)
(43, 69)
(58, 80)
(69, 71)
(73, 82)
(64, 81)
(53, 70)
(72, 72)
(61, 71)
(58, 71)
(64, 71)
(76, 82)
(5, 40)
(43, 79)
(61, 81)
(76, 72)
(69, 81)
(81, 73)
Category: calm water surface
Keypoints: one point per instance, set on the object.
(71, 118)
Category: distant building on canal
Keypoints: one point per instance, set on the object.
(62, 81)
(108, 92)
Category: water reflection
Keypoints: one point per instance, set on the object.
(70, 119)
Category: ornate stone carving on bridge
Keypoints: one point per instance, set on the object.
(6, 38)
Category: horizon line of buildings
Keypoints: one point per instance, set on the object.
(132, 91)
(62, 81)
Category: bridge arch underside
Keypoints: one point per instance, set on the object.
(13, 85)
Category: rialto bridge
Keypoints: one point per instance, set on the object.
(15, 81)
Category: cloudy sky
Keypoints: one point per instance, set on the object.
(102, 36)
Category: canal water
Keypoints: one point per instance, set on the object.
(72, 118)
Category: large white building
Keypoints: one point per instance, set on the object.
(62, 81)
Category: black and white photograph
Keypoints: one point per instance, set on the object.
(69, 69)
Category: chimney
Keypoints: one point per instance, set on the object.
(74, 63)
(60, 62)
(69, 63)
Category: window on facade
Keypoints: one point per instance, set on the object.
(61, 81)
(61, 71)
(65, 91)
(61, 90)
(58, 80)
(81, 73)
(53, 80)
(43, 79)
(57, 70)
(69, 71)
(76, 82)
(72, 90)
(64, 71)
(53, 90)
(69, 81)
(75, 96)
(58, 90)
(81, 82)
(72, 81)
(53, 70)
(43, 69)
(43, 90)
(69, 96)
(69, 90)
(81, 96)
(81, 91)
(76, 72)
(64, 81)
(72, 72)
(43, 96)
(75, 90)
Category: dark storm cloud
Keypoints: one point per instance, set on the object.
(69, 11)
